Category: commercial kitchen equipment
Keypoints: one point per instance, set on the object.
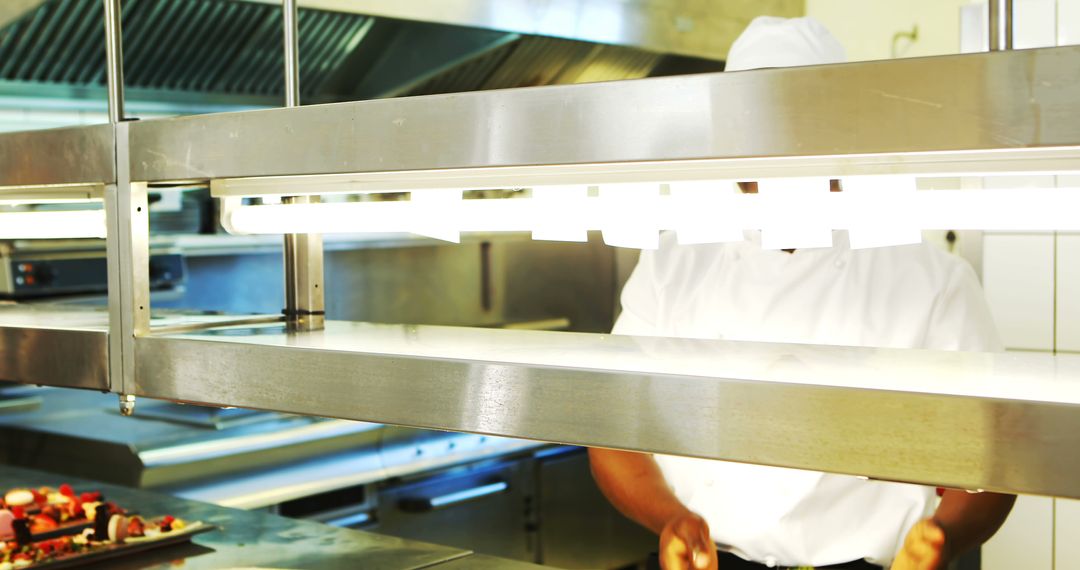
(1006, 422)
(247, 538)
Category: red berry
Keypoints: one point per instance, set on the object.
(39, 497)
(66, 490)
(19, 512)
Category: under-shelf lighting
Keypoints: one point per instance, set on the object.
(795, 213)
(53, 225)
(18, 219)
(792, 213)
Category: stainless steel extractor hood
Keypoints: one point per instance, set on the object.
(198, 56)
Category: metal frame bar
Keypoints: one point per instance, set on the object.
(45, 162)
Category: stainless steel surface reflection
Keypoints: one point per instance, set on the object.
(74, 155)
(54, 346)
(1006, 422)
(945, 114)
(251, 539)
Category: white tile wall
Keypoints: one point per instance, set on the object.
(1034, 23)
(1018, 277)
(1025, 542)
(1068, 25)
(1068, 293)
(1067, 531)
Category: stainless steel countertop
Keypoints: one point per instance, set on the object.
(252, 539)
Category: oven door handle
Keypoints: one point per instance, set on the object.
(426, 504)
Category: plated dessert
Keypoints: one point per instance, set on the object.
(49, 528)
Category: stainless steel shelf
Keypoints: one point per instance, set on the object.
(993, 112)
(1007, 422)
(73, 155)
(54, 346)
(68, 345)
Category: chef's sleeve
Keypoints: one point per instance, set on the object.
(961, 319)
(640, 302)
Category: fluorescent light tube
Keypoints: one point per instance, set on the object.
(877, 211)
(707, 212)
(884, 209)
(630, 215)
(559, 213)
(798, 211)
(48, 225)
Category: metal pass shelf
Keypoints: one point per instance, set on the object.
(75, 155)
(992, 112)
(970, 420)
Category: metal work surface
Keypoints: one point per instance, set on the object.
(401, 452)
(75, 155)
(971, 420)
(259, 460)
(945, 114)
(700, 29)
(149, 452)
(250, 539)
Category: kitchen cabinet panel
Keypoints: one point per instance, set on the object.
(1066, 529)
(1018, 277)
(1068, 292)
(1068, 22)
(1034, 23)
(1026, 539)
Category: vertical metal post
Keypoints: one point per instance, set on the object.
(126, 240)
(1001, 25)
(304, 300)
(292, 54)
(114, 60)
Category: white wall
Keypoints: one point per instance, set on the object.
(867, 27)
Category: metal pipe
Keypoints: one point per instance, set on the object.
(292, 54)
(304, 301)
(1001, 25)
(114, 60)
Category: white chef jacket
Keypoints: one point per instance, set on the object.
(913, 296)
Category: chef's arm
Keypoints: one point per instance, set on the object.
(970, 519)
(633, 483)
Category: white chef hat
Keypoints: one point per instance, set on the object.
(783, 42)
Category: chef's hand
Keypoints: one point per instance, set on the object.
(924, 548)
(685, 544)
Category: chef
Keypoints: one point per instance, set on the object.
(711, 514)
